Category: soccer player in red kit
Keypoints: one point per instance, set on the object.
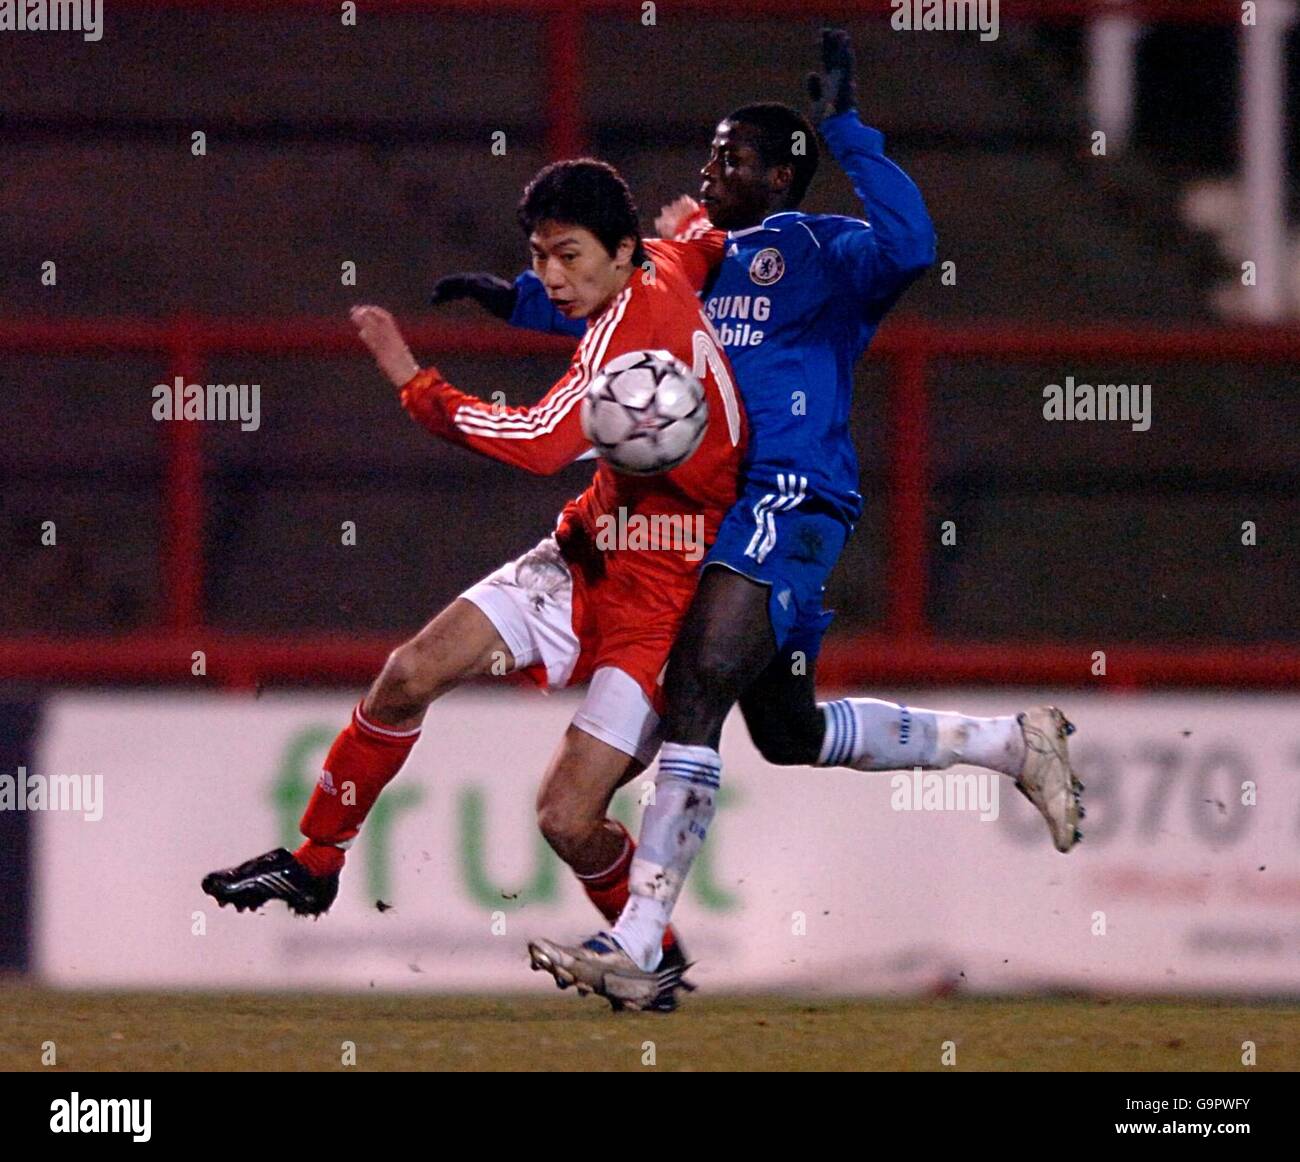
(572, 609)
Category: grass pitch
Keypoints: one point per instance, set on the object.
(245, 1031)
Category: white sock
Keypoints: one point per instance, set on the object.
(870, 735)
(673, 828)
(641, 927)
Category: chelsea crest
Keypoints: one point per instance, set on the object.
(767, 267)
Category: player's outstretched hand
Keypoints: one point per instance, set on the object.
(496, 295)
(378, 331)
(832, 90)
(671, 216)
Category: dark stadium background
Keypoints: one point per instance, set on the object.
(325, 147)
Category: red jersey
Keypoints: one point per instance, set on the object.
(629, 591)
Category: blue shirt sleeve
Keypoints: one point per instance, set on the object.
(534, 312)
(880, 260)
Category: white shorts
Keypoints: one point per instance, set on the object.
(530, 602)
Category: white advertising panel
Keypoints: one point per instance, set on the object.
(1188, 879)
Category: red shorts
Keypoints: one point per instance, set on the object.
(566, 624)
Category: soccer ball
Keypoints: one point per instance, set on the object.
(645, 412)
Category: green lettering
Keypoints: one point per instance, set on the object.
(709, 894)
(540, 889)
(391, 802)
(293, 784)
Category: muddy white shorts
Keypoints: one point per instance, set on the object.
(530, 602)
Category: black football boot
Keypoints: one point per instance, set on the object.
(273, 876)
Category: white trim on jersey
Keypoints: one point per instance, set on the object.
(539, 423)
(709, 355)
(696, 229)
(791, 496)
(544, 420)
(810, 233)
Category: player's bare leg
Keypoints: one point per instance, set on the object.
(572, 812)
(573, 801)
(572, 806)
(460, 643)
(725, 640)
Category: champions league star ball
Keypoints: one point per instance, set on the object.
(645, 413)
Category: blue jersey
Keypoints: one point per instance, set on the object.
(795, 303)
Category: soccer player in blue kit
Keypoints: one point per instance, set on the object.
(795, 302)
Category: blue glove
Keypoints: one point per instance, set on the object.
(493, 294)
(832, 90)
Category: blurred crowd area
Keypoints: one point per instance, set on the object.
(328, 144)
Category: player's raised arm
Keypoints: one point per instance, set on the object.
(684, 226)
(880, 259)
(495, 295)
(540, 439)
(533, 311)
(677, 216)
(522, 303)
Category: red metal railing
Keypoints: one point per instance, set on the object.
(905, 652)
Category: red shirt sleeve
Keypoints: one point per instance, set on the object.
(540, 439)
(698, 246)
(547, 436)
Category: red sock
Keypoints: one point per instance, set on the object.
(321, 859)
(363, 759)
(608, 889)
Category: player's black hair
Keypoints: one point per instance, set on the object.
(777, 127)
(583, 192)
